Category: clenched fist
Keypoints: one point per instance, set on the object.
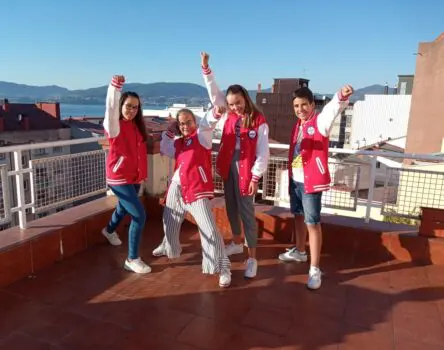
(119, 78)
(347, 91)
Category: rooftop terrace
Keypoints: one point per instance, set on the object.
(63, 287)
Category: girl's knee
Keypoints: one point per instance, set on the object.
(140, 216)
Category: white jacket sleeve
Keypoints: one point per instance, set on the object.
(205, 129)
(167, 145)
(112, 113)
(330, 112)
(262, 153)
(216, 96)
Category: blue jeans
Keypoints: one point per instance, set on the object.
(129, 203)
(307, 204)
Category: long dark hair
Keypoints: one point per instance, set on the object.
(139, 116)
(250, 107)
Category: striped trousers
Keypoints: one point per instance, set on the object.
(214, 257)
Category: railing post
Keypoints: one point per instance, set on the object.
(19, 184)
(371, 188)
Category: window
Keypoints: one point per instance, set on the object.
(24, 160)
(378, 165)
(58, 149)
(26, 184)
(264, 101)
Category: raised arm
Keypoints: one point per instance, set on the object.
(207, 124)
(215, 94)
(167, 142)
(112, 113)
(333, 109)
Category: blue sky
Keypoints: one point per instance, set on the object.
(80, 44)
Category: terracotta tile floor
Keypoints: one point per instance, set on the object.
(90, 302)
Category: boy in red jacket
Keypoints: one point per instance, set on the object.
(309, 175)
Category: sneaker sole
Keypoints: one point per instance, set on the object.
(292, 260)
(113, 244)
(158, 255)
(236, 253)
(311, 288)
(127, 268)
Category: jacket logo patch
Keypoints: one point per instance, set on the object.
(189, 142)
(252, 134)
(310, 130)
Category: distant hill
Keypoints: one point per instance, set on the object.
(148, 92)
(13, 91)
(161, 93)
(359, 94)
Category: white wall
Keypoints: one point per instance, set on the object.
(379, 117)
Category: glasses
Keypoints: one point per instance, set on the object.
(187, 123)
(130, 106)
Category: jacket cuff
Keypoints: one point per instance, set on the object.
(206, 70)
(118, 85)
(341, 97)
(255, 178)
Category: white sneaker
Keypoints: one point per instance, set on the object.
(314, 278)
(234, 248)
(113, 238)
(137, 266)
(251, 269)
(160, 250)
(293, 255)
(225, 279)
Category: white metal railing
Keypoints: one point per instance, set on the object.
(402, 191)
(50, 182)
(39, 185)
(61, 180)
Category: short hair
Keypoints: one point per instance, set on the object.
(304, 92)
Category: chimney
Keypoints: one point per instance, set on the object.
(259, 87)
(52, 109)
(273, 88)
(5, 105)
(395, 89)
(386, 89)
